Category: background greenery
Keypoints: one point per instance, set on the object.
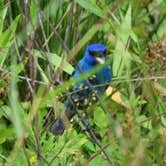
(40, 42)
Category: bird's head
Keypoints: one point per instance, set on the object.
(95, 54)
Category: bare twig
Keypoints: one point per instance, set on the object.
(29, 45)
(162, 19)
(85, 121)
(56, 27)
(57, 154)
(150, 118)
(44, 34)
(92, 134)
(57, 35)
(26, 154)
(114, 80)
(77, 19)
(114, 17)
(32, 76)
(56, 73)
(98, 152)
(94, 91)
(30, 143)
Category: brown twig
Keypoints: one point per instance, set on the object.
(56, 34)
(26, 154)
(29, 45)
(115, 80)
(77, 19)
(56, 27)
(57, 154)
(44, 34)
(30, 143)
(150, 118)
(92, 134)
(98, 152)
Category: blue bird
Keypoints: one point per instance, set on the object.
(83, 94)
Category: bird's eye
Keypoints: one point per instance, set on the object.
(95, 53)
(92, 53)
(98, 53)
(105, 52)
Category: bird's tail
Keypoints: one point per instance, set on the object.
(58, 127)
(62, 122)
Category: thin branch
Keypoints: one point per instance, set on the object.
(117, 80)
(28, 49)
(94, 91)
(90, 131)
(23, 77)
(57, 34)
(85, 121)
(36, 131)
(26, 154)
(57, 154)
(30, 143)
(20, 60)
(114, 17)
(150, 118)
(56, 72)
(92, 134)
(44, 34)
(157, 26)
(77, 19)
(56, 27)
(98, 152)
(114, 80)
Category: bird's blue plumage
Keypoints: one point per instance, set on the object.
(82, 94)
(98, 81)
(88, 62)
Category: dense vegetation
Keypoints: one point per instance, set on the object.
(41, 41)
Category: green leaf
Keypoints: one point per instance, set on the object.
(67, 144)
(53, 6)
(134, 36)
(163, 120)
(121, 56)
(6, 40)
(6, 36)
(90, 146)
(143, 120)
(2, 17)
(44, 77)
(3, 54)
(98, 161)
(100, 118)
(20, 66)
(6, 111)
(55, 60)
(92, 8)
(6, 133)
(33, 13)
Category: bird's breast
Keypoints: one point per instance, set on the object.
(83, 94)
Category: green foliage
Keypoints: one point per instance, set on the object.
(55, 60)
(40, 42)
(122, 57)
(6, 37)
(91, 7)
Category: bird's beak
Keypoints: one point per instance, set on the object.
(100, 60)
